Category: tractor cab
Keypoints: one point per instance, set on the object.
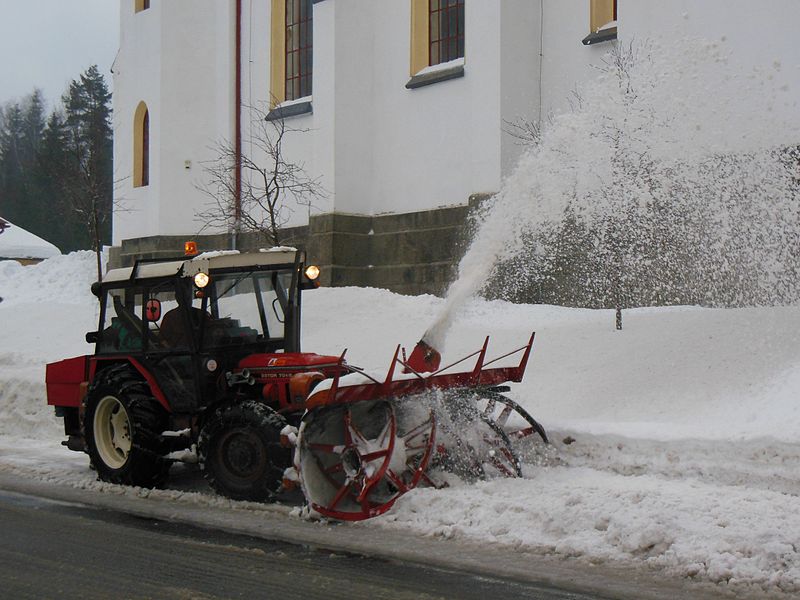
(190, 322)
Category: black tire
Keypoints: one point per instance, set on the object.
(240, 451)
(122, 426)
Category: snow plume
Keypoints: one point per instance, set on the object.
(673, 179)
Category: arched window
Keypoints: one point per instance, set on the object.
(140, 5)
(141, 146)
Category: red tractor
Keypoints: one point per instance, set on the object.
(198, 359)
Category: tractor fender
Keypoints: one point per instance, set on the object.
(98, 364)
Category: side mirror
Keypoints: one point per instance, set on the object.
(92, 337)
(152, 310)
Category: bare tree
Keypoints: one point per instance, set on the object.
(269, 181)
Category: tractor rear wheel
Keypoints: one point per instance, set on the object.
(122, 426)
(240, 451)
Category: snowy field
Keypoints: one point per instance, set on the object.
(686, 425)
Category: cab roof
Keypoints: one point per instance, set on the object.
(207, 262)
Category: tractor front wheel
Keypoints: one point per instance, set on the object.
(240, 451)
(122, 426)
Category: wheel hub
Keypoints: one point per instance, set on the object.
(112, 432)
(243, 454)
(352, 463)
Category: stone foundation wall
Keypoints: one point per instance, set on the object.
(410, 253)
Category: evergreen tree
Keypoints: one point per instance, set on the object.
(62, 228)
(87, 183)
(11, 164)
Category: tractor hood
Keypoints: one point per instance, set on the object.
(289, 361)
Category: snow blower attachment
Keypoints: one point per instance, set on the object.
(364, 442)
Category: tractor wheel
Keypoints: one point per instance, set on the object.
(122, 426)
(240, 451)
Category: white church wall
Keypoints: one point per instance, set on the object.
(321, 161)
(355, 103)
(188, 108)
(566, 62)
(176, 57)
(136, 79)
(435, 145)
(758, 40)
(520, 29)
(302, 147)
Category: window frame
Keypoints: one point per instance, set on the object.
(421, 71)
(299, 58)
(601, 13)
(278, 64)
(439, 12)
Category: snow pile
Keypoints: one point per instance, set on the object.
(46, 311)
(726, 534)
(686, 425)
(61, 279)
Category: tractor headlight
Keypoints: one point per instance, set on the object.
(312, 272)
(201, 280)
(211, 365)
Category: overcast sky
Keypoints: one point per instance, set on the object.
(48, 43)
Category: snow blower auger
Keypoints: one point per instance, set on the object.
(365, 442)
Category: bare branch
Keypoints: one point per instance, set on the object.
(270, 184)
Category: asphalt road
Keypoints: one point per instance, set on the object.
(52, 549)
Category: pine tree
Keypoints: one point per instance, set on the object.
(62, 227)
(11, 165)
(87, 178)
(22, 199)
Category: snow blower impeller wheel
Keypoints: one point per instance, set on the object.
(357, 460)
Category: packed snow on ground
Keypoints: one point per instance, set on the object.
(686, 424)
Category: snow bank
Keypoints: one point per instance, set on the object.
(685, 424)
(46, 311)
(726, 534)
(63, 279)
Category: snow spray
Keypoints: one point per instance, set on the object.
(676, 110)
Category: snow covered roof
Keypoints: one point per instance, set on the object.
(15, 242)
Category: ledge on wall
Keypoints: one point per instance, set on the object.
(290, 110)
(437, 73)
(601, 35)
